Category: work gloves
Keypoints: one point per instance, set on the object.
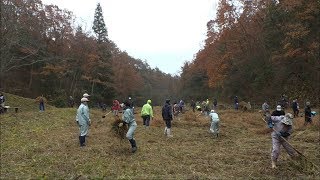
(283, 134)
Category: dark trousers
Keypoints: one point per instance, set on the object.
(41, 106)
(146, 120)
(168, 123)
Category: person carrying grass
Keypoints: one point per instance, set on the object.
(128, 118)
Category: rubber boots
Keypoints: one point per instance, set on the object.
(82, 140)
(273, 164)
(133, 145)
(169, 133)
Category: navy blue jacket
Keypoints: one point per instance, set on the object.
(167, 112)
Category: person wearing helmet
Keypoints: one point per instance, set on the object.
(128, 118)
(167, 117)
(83, 120)
(307, 114)
(86, 95)
(282, 129)
(147, 113)
(214, 128)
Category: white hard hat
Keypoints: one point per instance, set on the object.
(84, 99)
(86, 95)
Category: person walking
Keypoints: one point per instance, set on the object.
(307, 114)
(83, 120)
(42, 100)
(282, 129)
(115, 107)
(2, 101)
(70, 102)
(265, 107)
(236, 103)
(215, 103)
(193, 105)
(128, 119)
(214, 128)
(295, 108)
(147, 113)
(167, 117)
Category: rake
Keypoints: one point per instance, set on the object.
(300, 153)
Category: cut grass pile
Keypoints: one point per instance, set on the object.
(45, 145)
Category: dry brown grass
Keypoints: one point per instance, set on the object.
(45, 145)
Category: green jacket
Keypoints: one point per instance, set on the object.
(147, 109)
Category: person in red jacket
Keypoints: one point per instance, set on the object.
(115, 107)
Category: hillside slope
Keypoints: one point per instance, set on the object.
(36, 145)
(24, 104)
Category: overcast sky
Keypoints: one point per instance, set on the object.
(165, 33)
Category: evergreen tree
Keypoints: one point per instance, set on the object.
(99, 27)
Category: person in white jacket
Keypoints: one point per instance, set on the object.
(83, 120)
(214, 128)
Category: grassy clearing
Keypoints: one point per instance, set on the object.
(45, 145)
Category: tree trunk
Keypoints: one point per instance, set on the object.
(92, 87)
(31, 77)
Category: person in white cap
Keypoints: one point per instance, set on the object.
(214, 128)
(277, 112)
(281, 131)
(83, 120)
(86, 95)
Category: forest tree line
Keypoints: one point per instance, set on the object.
(258, 50)
(44, 52)
(255, 49)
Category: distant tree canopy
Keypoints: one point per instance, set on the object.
(44, 52)
(258, 50)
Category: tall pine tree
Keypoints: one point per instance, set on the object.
(103, 74)
(99, 27)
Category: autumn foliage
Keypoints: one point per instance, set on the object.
(43, 51)
(259, 50)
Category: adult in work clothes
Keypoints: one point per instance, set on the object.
(128, 118)
(147, 113)
(167, 117)
(83, 120)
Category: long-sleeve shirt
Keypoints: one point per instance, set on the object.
(83, 116)
(214, 117)
(280, 127)
(128, 116)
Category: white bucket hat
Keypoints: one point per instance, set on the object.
(85, 95)
(287, 119)
(84, 99)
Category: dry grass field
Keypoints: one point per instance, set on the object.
(44, 145)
